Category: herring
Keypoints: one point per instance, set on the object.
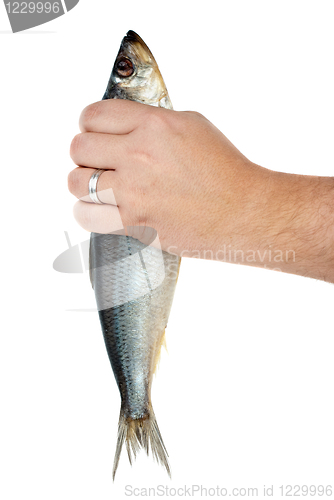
(133, 300)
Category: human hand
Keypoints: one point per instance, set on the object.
(176, 172)
(173, 171)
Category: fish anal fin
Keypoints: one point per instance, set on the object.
(158, 351)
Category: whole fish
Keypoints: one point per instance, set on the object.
(133, 281)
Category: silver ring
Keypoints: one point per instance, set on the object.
(92, 186)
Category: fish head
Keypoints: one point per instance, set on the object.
(136, 75)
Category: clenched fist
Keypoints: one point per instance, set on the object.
(177, 173)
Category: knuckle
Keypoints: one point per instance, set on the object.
(140, 210)
(142, 220)
(75, 146)
(141, 156)
(193, 114)
(133, 218)
(191, 119)
(73, 181)
(197, 114)
(159, 120)
(188, 120)
(88, 115)
(140, 150)
(134, 210)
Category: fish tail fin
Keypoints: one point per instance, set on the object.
(140, 433)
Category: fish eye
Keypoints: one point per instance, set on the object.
(124, 67)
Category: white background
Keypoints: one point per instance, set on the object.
(244, 397)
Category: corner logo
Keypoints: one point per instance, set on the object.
(25, 15)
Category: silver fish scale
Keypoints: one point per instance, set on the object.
(132, 329)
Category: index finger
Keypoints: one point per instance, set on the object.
(113, 116)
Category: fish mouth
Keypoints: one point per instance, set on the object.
(131, 38)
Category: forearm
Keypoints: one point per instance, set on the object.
(176, 172)
(289, 227)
